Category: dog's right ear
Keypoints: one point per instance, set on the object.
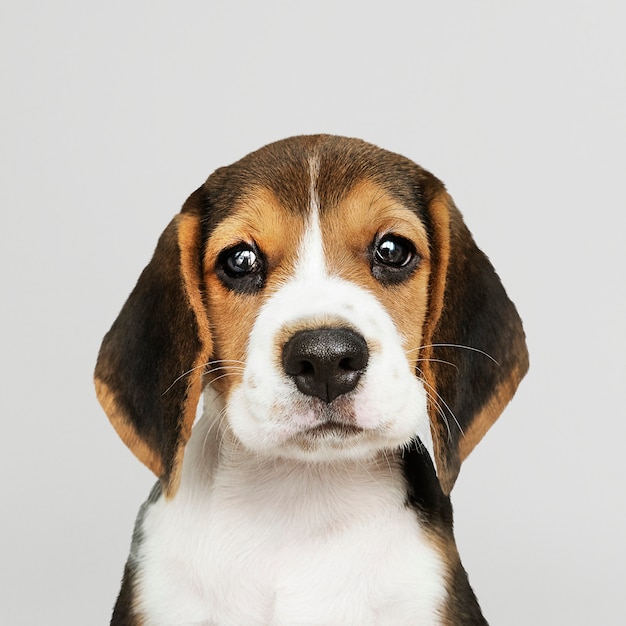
(149, 372)
(475, 353)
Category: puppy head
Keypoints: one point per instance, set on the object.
(331, 293)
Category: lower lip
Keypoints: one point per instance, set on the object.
(333, 428)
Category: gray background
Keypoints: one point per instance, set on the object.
(112, 113)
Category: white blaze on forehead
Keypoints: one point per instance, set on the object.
(311, 261)
(314, 171)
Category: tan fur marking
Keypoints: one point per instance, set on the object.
(125, 429)
(189, 245)
(447, 550)
(440, 217)
(483, 421)
(348, 232)
(188, 229)
(259, 218)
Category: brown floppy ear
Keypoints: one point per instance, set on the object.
(148, 375)
(474, 345)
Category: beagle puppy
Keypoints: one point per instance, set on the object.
(352, 345)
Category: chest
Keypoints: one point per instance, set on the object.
(282, 547)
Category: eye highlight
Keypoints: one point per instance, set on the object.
(393, 251)
(393, 258)
(241, 262)
(241, 268)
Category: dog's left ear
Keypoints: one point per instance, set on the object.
(149, 371)
(474, 353)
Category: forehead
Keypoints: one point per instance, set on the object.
(366, 208)
(331, 168)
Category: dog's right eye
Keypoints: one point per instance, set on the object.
(241, 262)
(241, 268)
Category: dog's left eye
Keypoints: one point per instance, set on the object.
(394, 251)
(241, 268)
(393, 258)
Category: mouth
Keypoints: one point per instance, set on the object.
(332, 428)
(328, 437)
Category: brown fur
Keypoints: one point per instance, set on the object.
(349, 229)
(259, 219)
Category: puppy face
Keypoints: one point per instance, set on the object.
(284, 288)
(330, 291)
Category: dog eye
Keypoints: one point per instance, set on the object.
(393, 259)
(240, 262)
(241, 268)
(394, 251)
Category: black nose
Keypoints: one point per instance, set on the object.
(326, 362)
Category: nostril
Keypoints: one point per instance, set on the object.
(306, 367)
(354, 363)
(300, 368)
(325, 362)
(346, 364)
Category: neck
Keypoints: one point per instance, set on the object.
(285, 490)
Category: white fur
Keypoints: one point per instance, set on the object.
(273, 542)
(264, 531)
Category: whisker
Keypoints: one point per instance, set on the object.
(218, 426)
(210, 363)
(438, 361)
(437, 400)
(214, 426)
(193, 369)
(227, 369)
(421, 447)
(445, 404)
(224, 368)
(442, 414)
(456, 345)
(224, 375)
(387, 462)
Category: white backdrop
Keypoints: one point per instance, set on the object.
(113, 112)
